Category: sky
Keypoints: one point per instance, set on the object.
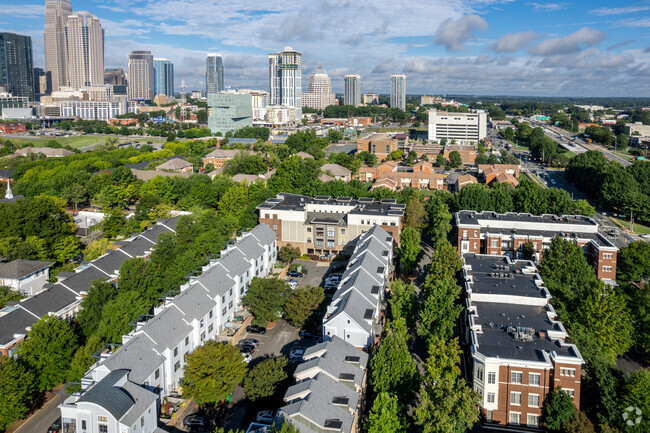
(470, 47)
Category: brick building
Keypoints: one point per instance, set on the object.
(323, 226)
(496, 234)
(379, 144)
(218, 157)
(467, 153)
(12, 128)
(500, 173)
(396, 176)
(517, 345)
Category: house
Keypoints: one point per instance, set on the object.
(219, 157)
(344, 147)
(176, 165)
(147, 175)
(500, 173)
(304, 155)
(49, 152)
(338, 172)
(25, 276)
(378, 144)
(250, 178)
(463, 180)
(395, 176)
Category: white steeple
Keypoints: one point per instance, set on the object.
(9, 194)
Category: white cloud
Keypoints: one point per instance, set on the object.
(568, 44)
(619, 11)
(453, 34)
(635, 22)
(23, 11)
(511, 42)
(549, 7)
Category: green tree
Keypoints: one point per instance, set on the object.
(8, 295)
(302, 303)
(584, 208)
(454, 159)
(262, 380)
(127, 306)
(288, 254)
(636, 393)
(440, 310)
(445, 263)
(403, 301)
(409, 249)
(529, 252)
(17, 386)
(265, 299)
(90, 314)
(440, 160)
(75, 194)
(439, 218)
(212, 371)
(66, 248)
(558, 410)
(48, 349)
(385, 415)
(634, 262)
(82, 359)
(96, 249)
(416, 215)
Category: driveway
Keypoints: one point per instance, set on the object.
(316, 272)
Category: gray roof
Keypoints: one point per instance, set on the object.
(82, 280)
(174, 164)
(336, 357)
(336, 169)
(487, 279)
(251, 247)
(49, 300)
(216, 280)
(154, 232)
(20, 268)
(143, 399)
(114, 399)
(15, 323)
(167, 329)
(354, 305)
(169, 222)
(110, 262)
(194, 302)
(138, 356)
(137, 247)
(264, 234)
(235, 262)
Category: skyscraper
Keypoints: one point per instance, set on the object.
(16, 68)
(42, 82)
(163, 72)
(115, 76)
(352, 94)
(320, 93)
(84, 47)
(285, 79)
(398, 91)
(213, 73)
(141, 76)
(56, 15)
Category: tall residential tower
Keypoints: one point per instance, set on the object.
(352, 94)
(56, 16)
(84, 44)
(285, 79)
(163, 71)
(141, 76)
(320, 93)
(398, 91)
(16, 67)
(214, 73)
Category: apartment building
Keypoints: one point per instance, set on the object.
(467, 153)
(395, 176)
(379, 144)
(219, 157)
(517, 345)
(505, 234)
(465, 128)
(354, 315)
(26, 277)
(150, 362)
(323, 226)
(500, 173)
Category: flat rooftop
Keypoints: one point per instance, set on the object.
(363, 205)
(496, 275)
(472, 217)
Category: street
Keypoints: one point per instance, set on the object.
(43, 418)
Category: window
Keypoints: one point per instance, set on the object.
(492, 377)
(157, 374)
(464, 234)
(490, 397)
(533, 400)
(607, 269)
(175, 352)
(342, 232)
(223, 312)
(202, 335)
(102, 419)
(494, 243)
(202, 323)
(177, 366)
(533, 420)
(308, 229)
(142, 422)
(331, 232)
(275, 227)
(534, 378)
(83, 424)
(210, 328)
(230, 304)
(515, 377)
(331, 243)
(223, 299)
(607, 255)
(230, 292)
(515, 418)
(489, 415)
(515, 398)
(479, 374)
(103, 428)
(570, 392)
(187, 341)
(571, 372)
(308, 239)
(210, 316)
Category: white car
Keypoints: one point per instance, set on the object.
(265, 416)
(645, 236)
(247, 357)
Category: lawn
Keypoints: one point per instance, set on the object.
(639, 229)
(75, 141)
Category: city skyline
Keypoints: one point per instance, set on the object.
(575, 48)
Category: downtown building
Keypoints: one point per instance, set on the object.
(56, 16)
(214, 74)
(320, 93)
(122, 391)
(141, 76)
(352, 91)
(285, 79)
(491, 233)
(163, 75)
(228, 112)
(398, 91)
(16, 65)
(323, 226)
(465, 128)
(517, 346)
(84, 50)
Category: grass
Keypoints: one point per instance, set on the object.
(639, 229)
(78, 141)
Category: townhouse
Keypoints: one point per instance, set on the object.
(152, 355)
(517, 345)
(395, 176)
(25, 276)
(501, 173)
(64, 298)
(323, 226)
(354, 315)
(496, 234)
(328, 390)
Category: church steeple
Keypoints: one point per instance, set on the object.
(9, 195)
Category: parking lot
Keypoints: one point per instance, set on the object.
(316, 272)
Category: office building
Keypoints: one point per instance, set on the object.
(84, 37)
(123, 390)
(214, 73)
(398, 91)
(115, 76)
(285, 79)
(505, 234)
(228, 112)
(371, 99)
(323, 226)
(42, 82)
(141, 76)
(352, 91)
(96, 110)
(319, 94)
(16, 67)
(378, 144)
(465, 128)
(517, 345)
(56, 16)
(163, 74)
(8, 101)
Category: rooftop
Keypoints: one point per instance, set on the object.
(21, 268)
(363, 205)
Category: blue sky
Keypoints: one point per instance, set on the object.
(564, 48)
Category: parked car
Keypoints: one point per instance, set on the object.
(294, 274)
(247, 357)
(194, 420)
(249, 341)
(247, 348)
(297, 351)
(255, 329)
(293, 284)
(265, 416)
(309, 335)
(55, 427)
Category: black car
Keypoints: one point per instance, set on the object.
(309, 335)
(294, 274)
(55, 427)
(255, 329)
(247, 348)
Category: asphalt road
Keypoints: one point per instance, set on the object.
(41, 420)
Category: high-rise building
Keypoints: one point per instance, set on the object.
(228, 112)
(16, 68)
(56, 16)
(84, 47)
(115, 76)
(320, 93)
(163, 72)
(42, 82)
(285, 79)
(352, 94)
(141, 76)
(213, 73)
(398, 91)
(464, 128)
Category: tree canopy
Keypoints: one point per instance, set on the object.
(265, 298)
(262, 380)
